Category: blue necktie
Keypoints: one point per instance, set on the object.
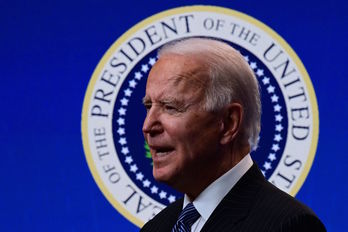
(186, 219)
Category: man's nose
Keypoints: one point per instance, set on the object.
(152, 124)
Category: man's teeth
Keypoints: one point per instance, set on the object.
(163, 153)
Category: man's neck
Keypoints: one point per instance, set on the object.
(204, 179)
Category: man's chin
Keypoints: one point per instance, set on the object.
(172, 181)
(163, 176)
(159, 176)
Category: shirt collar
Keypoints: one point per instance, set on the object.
(209, 199)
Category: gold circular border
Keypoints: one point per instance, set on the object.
(180, 10)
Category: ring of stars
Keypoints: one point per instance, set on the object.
(277, 108)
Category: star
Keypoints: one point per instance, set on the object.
(246, 58)
(278, 117)
(259, 72)
(122, 141)
(277, 137)
(270, 89)
(129, 159)
(140, 176)
(171, 198)
(128, 92)
(144, 68)
(265, 80)
(152, 61)
(274, 98)
(277, 108)
(253, 65)
(124, 101)
(120, 121)
(275, 147)
(279, 127)
(154, 189)
(132, 83)
(146, 183)
(272, 156)
(120, 131)
(122, 111)
(133, 168)
(163, 194)
(138, 75)
(125, 150)
(267, 165)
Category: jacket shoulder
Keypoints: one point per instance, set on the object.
(273, 199)
(282, 212)
(267, 208)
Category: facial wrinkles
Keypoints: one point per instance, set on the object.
(180, 92)
(169, 103)
(190, 85)
(193, 79)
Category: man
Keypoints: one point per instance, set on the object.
(203, 118)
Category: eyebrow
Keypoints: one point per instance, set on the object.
(146, 100)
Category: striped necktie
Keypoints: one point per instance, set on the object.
(186, 219)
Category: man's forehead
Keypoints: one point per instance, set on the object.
(180, 71)
(194, 78)
(176, 77)
(176, 90)
(176, 87)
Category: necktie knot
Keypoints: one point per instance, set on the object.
(186, 219)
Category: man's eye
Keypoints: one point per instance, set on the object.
(170, 108)
(147, 106)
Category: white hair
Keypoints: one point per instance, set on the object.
(231, 80)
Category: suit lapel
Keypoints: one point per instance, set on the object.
(236, 204)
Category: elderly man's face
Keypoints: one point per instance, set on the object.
(183, 138)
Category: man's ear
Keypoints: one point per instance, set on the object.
(232, 121)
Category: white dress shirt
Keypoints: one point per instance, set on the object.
(209, 199)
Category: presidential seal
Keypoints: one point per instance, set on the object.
(113, 114)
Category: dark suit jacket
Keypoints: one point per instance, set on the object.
(253, 204)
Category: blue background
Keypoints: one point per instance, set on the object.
(48, 51)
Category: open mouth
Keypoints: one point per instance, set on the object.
(161, 151)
